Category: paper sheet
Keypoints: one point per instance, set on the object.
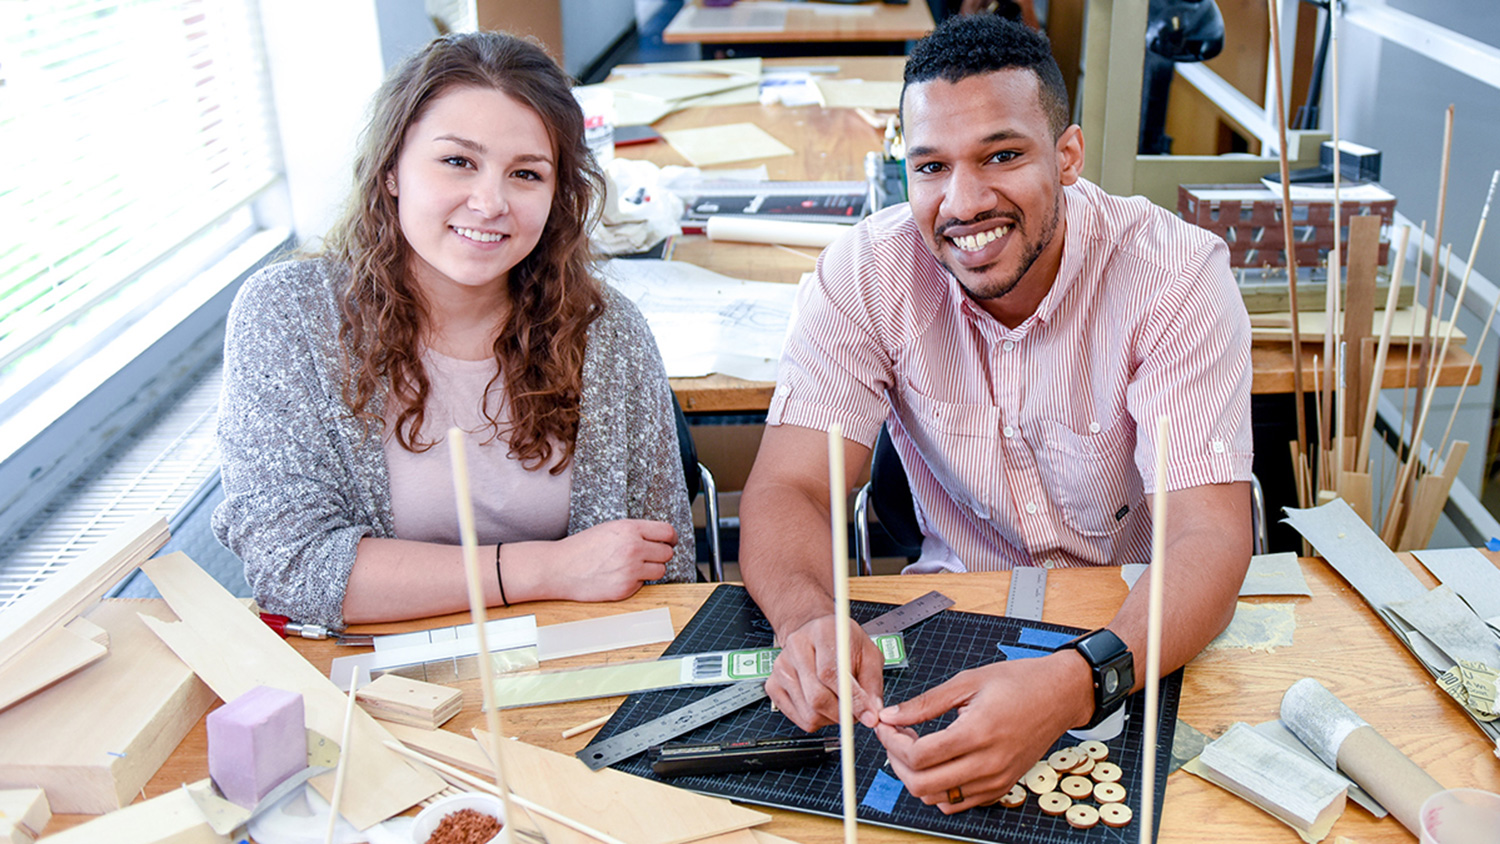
(860, 93)
(705, 322)
(1472, 576)
(1275, 574)
(722, 144)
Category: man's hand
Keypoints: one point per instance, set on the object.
(1009, 714)
(804, 681)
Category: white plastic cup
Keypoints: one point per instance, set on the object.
(1461, 816)
(598, 122)
(428, 819)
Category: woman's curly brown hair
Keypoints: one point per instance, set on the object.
(553, 296)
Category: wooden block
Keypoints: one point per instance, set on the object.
(23, 815)
(66, 594)
(233, 651)
(93, 741)
(170, 818)
(633, 809)
(405, 701)
(59, 653)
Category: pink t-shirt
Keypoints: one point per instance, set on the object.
(511, 504)
(1033, 445)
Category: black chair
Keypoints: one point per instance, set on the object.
(699, 479)
(888, 498)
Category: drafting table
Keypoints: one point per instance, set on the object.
(1338, 640)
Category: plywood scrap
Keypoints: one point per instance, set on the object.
(633, 809)
(57, 654)
(233, 652)
(171, 818)
(1304, 795)
(24, 813)
(81, 583)
(95, 739)
(406, 701)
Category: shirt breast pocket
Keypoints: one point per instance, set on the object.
(957, 443)
(1092, 478)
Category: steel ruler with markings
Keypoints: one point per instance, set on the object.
(1028, 589)
(734, 698)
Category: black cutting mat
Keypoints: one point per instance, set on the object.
(939, 647)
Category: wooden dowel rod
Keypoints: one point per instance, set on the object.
(343, 766)
(478, 613)
(1153, 627)
(840, 528)
(1437, 244)
(1333, 334)
(586, 726)
(1287, 233)
(1483, 334)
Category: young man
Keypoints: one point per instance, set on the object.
(1020, 331)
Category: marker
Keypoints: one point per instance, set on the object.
(688, 758)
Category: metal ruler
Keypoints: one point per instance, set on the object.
(1028, 589)
(717, 705)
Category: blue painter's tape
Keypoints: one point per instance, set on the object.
(1493, 544)
(1049, 639)
(882, 793)
(1013, 652)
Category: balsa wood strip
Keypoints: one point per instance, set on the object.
(95, 739)
(170, 818)
(59, 653)
(23, 815)
(635, 810)
(66, 594)
(234, 652)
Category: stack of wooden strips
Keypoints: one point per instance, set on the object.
(401, 700)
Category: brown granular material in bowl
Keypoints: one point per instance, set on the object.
(466, 826)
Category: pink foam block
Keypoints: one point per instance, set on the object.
(255, 742)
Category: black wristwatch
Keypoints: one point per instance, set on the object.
(1113, 667)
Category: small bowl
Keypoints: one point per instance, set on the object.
(428, 819)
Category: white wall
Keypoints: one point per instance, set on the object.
(325, 64)
(1393, 99)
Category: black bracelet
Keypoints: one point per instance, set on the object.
(499, 578)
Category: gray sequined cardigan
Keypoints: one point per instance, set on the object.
(304, 480)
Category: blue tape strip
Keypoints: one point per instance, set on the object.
(1013, 652)
(1049, 639)
(1493, 544)
(883, 792)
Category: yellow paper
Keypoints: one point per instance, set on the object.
(721, 144)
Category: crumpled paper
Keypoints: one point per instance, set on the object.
(639, 210)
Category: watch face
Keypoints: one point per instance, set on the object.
(1111, 681)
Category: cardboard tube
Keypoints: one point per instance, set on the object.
(746, 230)
(1333, 732)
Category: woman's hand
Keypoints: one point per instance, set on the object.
(607, 562)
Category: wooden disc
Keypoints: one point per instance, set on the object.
(1013, 798)
(1109, 792)
(1115, 814)
(1077, 787)
(1082, 816)
(1095, 750)
(1042, 780)
(1085, 767)
(1106, 772)
(1054, 802)
(1063, 760)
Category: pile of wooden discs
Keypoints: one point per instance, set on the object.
(1070, 775)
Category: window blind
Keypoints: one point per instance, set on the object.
(131, 131)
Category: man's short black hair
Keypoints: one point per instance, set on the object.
(971, 45)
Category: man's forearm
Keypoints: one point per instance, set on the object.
(785, 552)
(1207, 551)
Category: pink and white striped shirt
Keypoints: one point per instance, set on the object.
(1032, 445)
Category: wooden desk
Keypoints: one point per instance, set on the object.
(1338, 640)
(814, 22)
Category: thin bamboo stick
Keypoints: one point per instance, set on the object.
(1479, 345)
(478, 614)
(1437, 243)
(1332, 378)
(1153, 628)
(1287, 234)
(840, 529)
(343, 766)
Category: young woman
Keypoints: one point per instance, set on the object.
(455, 291)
